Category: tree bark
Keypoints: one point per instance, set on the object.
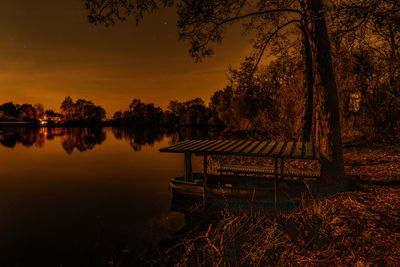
(308, 85)
(327, 132)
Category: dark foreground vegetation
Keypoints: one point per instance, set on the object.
(359, 228)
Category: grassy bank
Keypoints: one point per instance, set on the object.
(357, 228)
(353, 228)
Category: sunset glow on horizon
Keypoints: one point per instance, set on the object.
(50, 51)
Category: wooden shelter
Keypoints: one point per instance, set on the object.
(268, 149)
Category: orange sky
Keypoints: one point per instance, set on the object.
(49, 51)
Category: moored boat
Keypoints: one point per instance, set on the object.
(231, 186)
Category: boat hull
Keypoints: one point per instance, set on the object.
(243, 187)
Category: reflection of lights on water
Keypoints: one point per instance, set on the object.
(43, 132)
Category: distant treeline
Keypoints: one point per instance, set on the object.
(26, 112)
(81, 112)
(271, 101)
(268, 102)
(10, 112)
(187, 114)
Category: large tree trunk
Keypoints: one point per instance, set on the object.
(308, 85)
(327, 133)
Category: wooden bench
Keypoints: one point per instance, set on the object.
(251, 169)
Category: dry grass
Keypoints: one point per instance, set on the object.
(353, 228)
(358, 228)
(373, 164)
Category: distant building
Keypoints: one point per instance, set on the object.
(52, 117)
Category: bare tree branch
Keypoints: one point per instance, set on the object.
(267, 41)
(256, 14)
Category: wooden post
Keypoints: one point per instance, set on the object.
(276, 185)
(220, 165)
(204, 180)
(205, 165)
(188, 166)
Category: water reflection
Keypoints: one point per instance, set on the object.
(83, 139)
(25, 136)
(139, 137)
(90, 209)
(10, 137)
(84, 209)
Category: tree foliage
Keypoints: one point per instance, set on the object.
(82, 110)
(11, 112)
(203, 23)
(139, 114)
(189, 113)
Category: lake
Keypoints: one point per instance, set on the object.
(85, 196)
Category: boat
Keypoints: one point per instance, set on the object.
(234, 186)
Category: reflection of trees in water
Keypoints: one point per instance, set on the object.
(148, 136)
(79, 138)
(8, 140)
(28, 137)
(139, 137)
(191, 133)
(82, 138)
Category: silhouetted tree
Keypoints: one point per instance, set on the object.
(39, 110)
(272, 103)
(11, 112)
(67, 108)
(26, 112)
(203, 23)
(82, 111)
(8, 112)
(139, 114)
(189, 113)
(118, 116)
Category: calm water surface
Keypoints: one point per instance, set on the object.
(79, 197)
